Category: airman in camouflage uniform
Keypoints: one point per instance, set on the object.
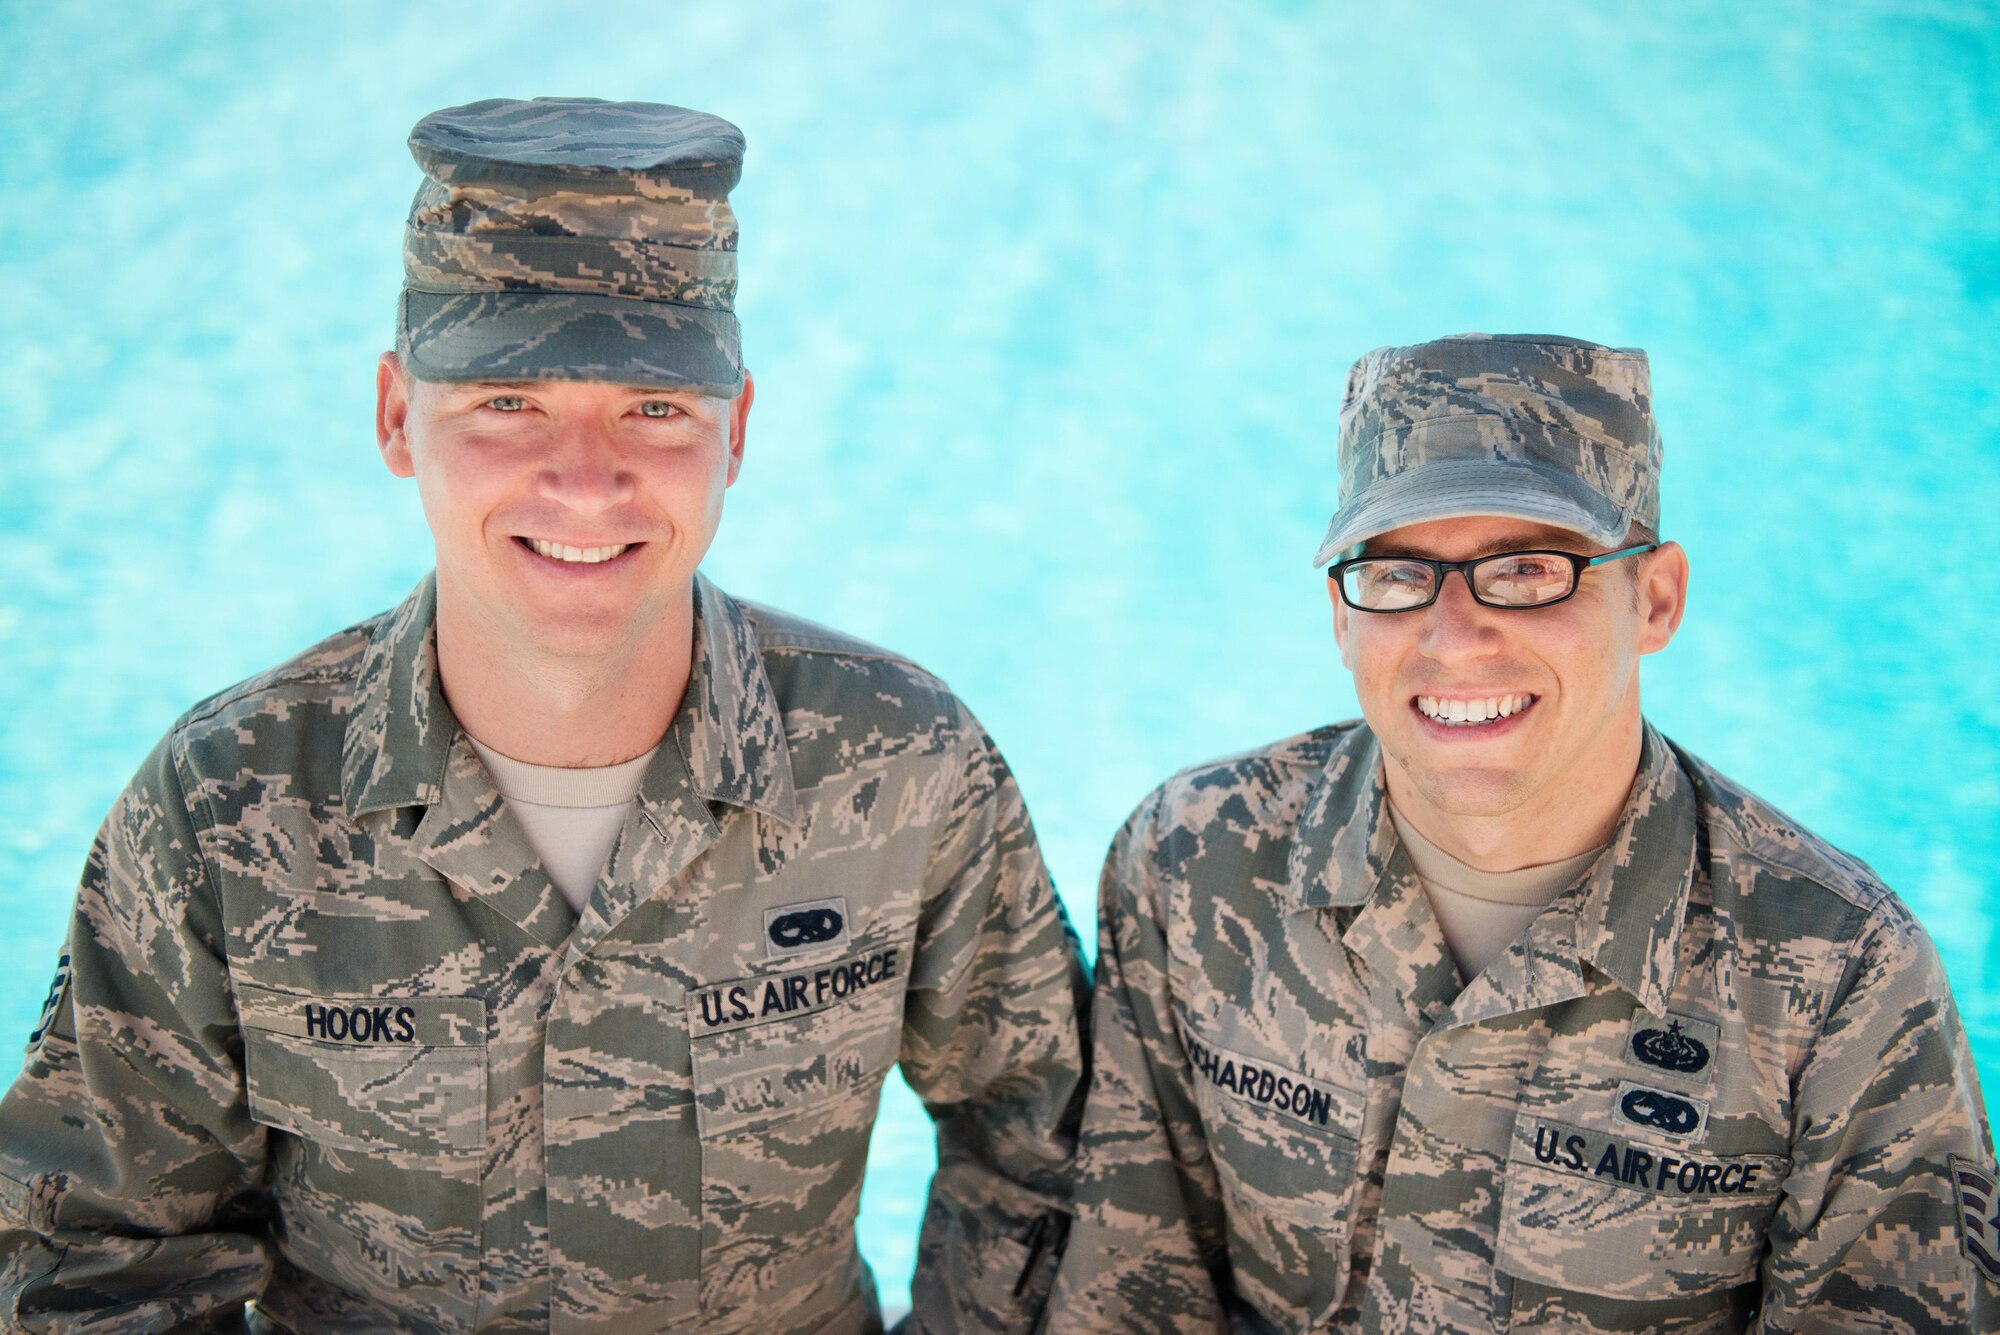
(1717, 1084)
(328, 1041)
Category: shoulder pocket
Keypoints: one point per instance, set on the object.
(1586, 1212)
(406, 1074)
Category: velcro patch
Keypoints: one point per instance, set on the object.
(720, 1007)
(1978, 1215)
(1597, 1156)
(1662, 1110)
(816, 924)
(1679, 1045)
(1267, 1085)
(438, 1022)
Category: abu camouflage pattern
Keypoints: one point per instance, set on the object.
(573, 239)
(1719, 1081)
(332, 1042)
(1535, 426)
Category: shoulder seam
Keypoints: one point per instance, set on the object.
(1831, 972)
(777, 641)
(177, 762)
(222, 700)
(1858, 896)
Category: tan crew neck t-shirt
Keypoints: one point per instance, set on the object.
(571, 816)
(1482, 912)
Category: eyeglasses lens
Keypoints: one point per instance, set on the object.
(1523, 579)
(1387, 586)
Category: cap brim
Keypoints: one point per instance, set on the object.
(1459, 488)
(569, 336)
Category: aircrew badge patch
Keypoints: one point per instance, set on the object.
(57, 989)
(1978, 1215)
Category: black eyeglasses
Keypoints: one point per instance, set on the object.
(1505, 579)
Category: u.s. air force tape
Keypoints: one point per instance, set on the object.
(745, 1001)
(1598, 1156)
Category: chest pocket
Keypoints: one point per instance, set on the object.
(768, 1048)
(1285, 1147)
(788, 1067)
(1602, 1226)
(403, 1076)
(377, 1182)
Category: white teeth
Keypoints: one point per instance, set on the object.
(1472, 713)
(580, 555)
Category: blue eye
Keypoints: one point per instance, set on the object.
(507, 403)
(657, 408)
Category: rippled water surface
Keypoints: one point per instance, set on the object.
(1049, 305)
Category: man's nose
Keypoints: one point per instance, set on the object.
(1457, 626)
(583, 471)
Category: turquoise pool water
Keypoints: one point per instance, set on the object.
(1049, 305)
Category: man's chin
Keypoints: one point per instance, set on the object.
(1466, 790)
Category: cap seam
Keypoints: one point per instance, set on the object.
(1375, 439)
(561, 292)
(1515, 340)
(419, 229)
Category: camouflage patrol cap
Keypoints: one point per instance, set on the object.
(567, 238)
(1528, 426)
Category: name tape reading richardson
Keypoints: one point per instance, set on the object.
(1268, 1086)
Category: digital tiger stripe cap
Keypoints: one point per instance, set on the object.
(568, 238)
(1528, 426)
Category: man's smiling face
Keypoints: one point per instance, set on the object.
(1557, 687)
(569, 516)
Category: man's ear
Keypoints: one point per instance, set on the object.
(739, 418)
(1663, 588)
(392, 415)
(1340, 622)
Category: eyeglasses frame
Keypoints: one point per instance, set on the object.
(1440, 569)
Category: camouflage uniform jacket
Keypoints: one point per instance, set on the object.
(1720, 1076)
(331, 1040)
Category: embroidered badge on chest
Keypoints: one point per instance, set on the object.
(816, 923)
(1660, 1110)
(1679, 1045)
(53, 1004)
(1978, 1215)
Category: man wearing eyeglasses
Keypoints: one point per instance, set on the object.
(1496, 1009)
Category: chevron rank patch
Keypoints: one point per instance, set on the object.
(1978, 1215)
(53, 1004)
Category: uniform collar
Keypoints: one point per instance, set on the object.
(730, 727)
(1628, 913)
(399, 735)
(727, 742)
